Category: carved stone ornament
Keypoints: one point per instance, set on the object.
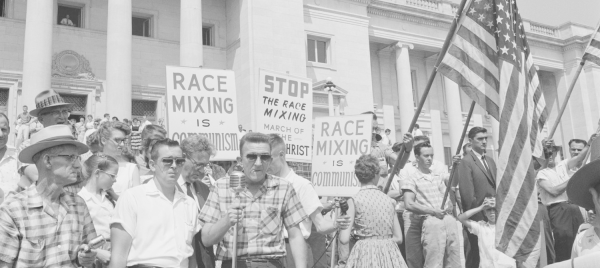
(69, 64)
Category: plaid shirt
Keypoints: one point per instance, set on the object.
(260, 232)
(429, 189)
(31, 235)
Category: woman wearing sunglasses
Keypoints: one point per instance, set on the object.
(110, 139)
(99, 172)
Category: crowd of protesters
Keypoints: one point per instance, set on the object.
(112, 193)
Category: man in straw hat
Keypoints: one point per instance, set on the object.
(44, 225)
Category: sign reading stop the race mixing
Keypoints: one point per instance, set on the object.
(285, 108)
(203, 102)
(338, 142)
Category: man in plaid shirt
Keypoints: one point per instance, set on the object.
(44, 226)
(262, 209)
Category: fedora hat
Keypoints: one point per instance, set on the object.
(578, 186)
(47, 99)
(49, 137)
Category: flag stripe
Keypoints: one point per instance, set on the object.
(476, 69)
(473, 45)
(475, 28)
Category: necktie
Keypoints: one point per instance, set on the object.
(189, 189)
(487, 168)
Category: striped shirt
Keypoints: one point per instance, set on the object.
(32, 235)
(260, 231)
(429, 189)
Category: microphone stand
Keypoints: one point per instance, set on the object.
(235, 237)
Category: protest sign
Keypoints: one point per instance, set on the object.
(338, 142)
(285, 108)
(203, 101)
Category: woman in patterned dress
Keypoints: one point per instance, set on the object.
(136, 137)
(374, 222)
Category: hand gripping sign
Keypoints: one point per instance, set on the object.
(338, 142)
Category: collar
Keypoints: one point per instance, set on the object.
(368, 187)
(34, 199)
(86, 195)
(272, 181)
(151, 189)
(476, 154)
(290, 176)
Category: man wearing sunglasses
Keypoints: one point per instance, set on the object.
(262, 209)
(30, 234)
(153, 223)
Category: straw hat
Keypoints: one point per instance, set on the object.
(46, 99)
(578, 187)
(49, 137)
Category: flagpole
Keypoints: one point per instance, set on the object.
(571, 87)
(401, 158)
(454, 164)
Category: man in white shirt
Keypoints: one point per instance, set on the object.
(66, 21)
(105, 119)
(9, 176)
(153, 224)
(308, 197)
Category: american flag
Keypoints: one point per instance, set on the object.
(592, 52)
(490, 60)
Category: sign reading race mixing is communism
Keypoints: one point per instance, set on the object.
(338, 142)
(285, 108)
(203, 101)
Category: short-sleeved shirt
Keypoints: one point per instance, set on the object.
(100, 211)
(25, 118)
(382, 153)
(489, 256)
(563, 170)
(32, 235)
(585, 243)
(162, 230)
(308, 197)
(552, 176)
(275, 205)
(429, 188)
(9, 171)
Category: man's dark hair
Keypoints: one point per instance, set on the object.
(417, 126)
(421, 138)
(418, 148)
(475, 130)
(254, 137)
(25, 106)
(577, 141)
(114, 117)
(370, 112)
(160, 143)
(387, 129)
(276, 140)
(105, 115)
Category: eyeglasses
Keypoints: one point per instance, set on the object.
(57, 113)
(168, 161)
(263, 157)
(71, 157)
(198, 166)
(117, 142)
(112, 176)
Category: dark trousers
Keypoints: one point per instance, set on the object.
(266, 263)
(317, 244)
(472, 255)
(565, 219)
(205, 257)
(551, 255)
(402, 249)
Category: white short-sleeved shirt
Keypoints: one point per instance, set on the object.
(308, 197)
(585, 243)
(162, 230)
(553, 177)
(100, 210)
(409, 169)
(9, 171)
(124, 177)
(489, 256)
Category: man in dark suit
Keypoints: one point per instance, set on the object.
(197, 151)
(476, 179)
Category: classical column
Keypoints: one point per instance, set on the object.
(455, 120)
(190, 33)
(437, 136)
(405, 93)
(118, 59)
(37, 54)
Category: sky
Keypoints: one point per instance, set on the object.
(557, 12)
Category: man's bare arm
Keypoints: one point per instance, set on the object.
(120, 246)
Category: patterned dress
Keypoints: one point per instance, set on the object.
(373, 222)
(136, 138)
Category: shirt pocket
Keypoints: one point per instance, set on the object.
(270, 220)
(33, 249)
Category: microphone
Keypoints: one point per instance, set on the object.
(237, 179)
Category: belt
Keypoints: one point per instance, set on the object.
(557, 203)
(143, 266)
(374, 237)
(279, 260)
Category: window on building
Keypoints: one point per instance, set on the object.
(2, 8)
(4, 100)
(69, 15)
(146, 108)
(141, 26)
(207, 36)
(318, 49)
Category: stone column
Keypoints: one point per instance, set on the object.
(437, 139)
(118, 59)
(455, 119)
(190, 34)
(37, 59)
(405, 94)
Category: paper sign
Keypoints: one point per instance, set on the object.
(203, 101)
(285, 105)
(338, 142)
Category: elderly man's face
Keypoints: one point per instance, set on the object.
(65, 165)
(4, 131)
(54, 116)
(256, 158)
(193, 170)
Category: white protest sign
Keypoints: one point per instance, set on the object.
(285, 107)
(203, 101)
(338, 142)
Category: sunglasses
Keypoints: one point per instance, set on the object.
(263, 157)
(168, 161)
(72, 158)
(197, 165)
